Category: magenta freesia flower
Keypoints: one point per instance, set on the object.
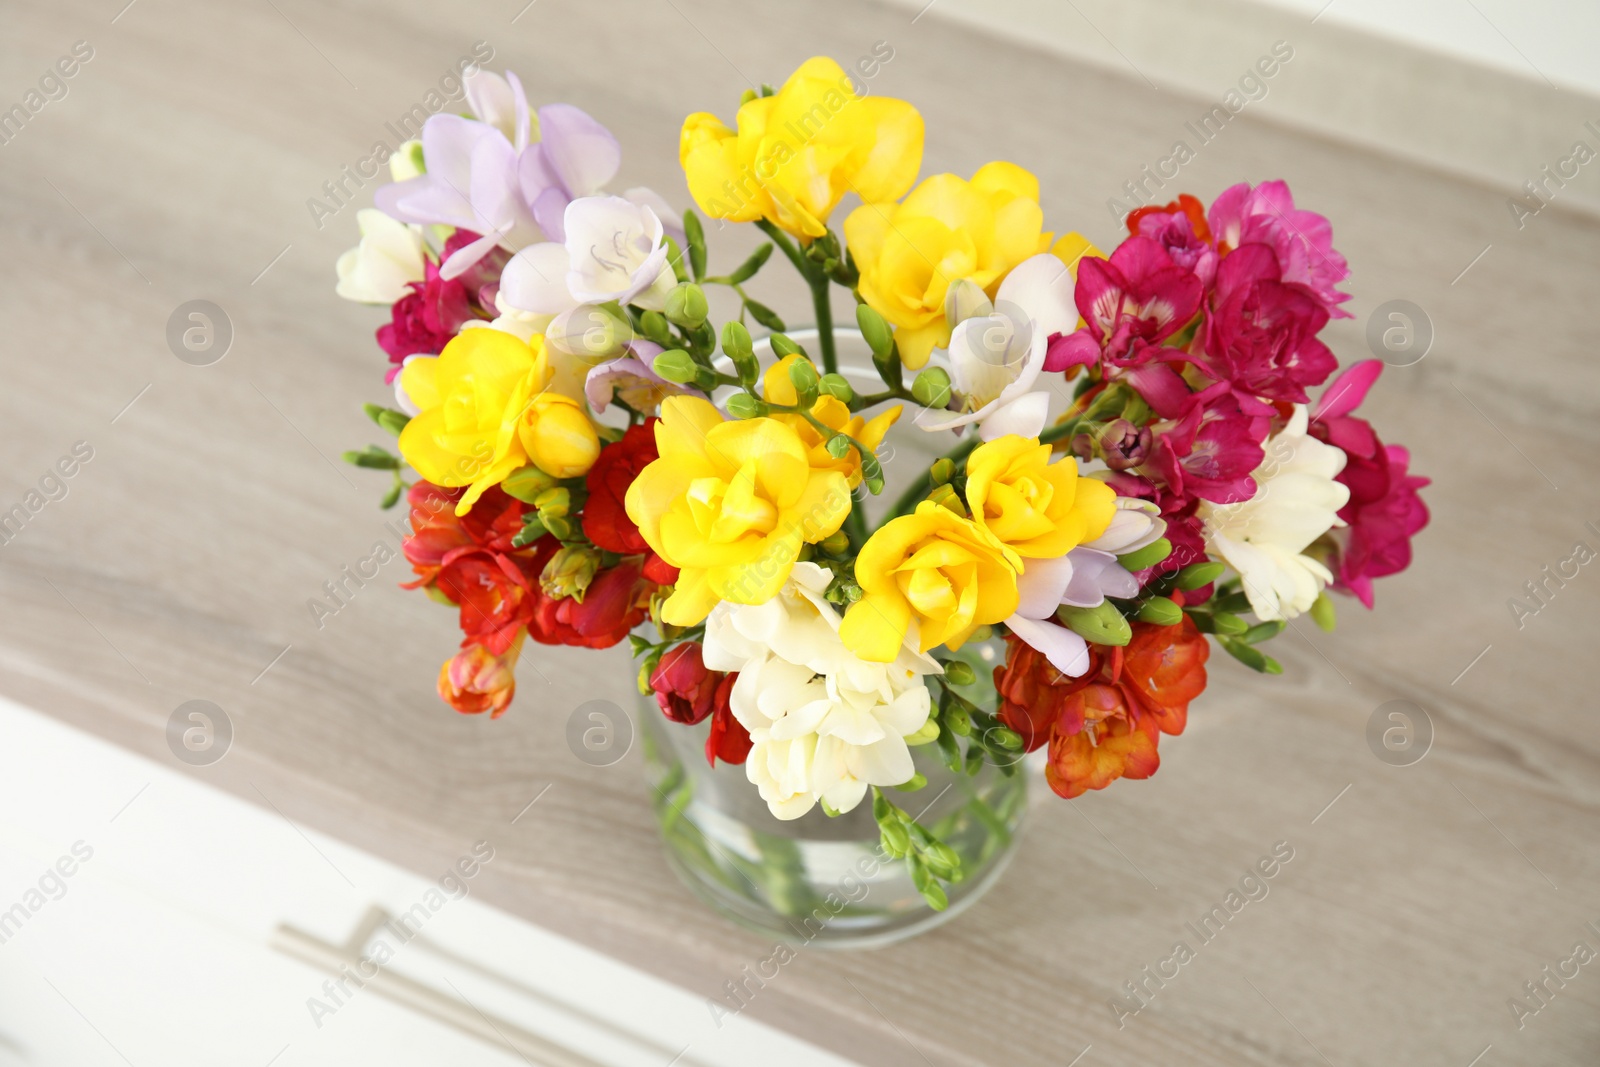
(1261, 332)
(1212, 450)
(1130, 303)
(1302, 240)
(425, 319)
(1384, 511)
(1175, 232)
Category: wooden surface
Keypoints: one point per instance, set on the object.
(180, 563)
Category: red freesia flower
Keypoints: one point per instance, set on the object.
(497, 595)
(1261, 331)
(617, 600)
(728, 741)
(605, 518)
(438, 535)
(475, 680)
(685, 690)
(1384, 511)
(1106, 724)
(1130, 304)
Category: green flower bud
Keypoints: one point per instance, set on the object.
(931, 388)
(914, 783)
(554, 501)
(838, 446)
(896, 840)
(676, 365)
(959, 722)
(686, 305)
(1322, 613)
(836, 386)
(947, 497)
(942, 471)
(959, 672)
(804, 377)
(835, 543)
(1231, 625)
(654, 325)
(1196, 575)
(745, 406)
(875, 330)
(1148, 556)
(737, 345)
(1160, 611)
(526, 483)
(1103, 625)
(783, 345)
(570, 571)
(927, 732)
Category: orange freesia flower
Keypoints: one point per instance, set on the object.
(475, 680)
(1106, 724)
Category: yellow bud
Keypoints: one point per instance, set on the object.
(558, 436)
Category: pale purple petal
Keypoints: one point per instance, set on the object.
(578, 149)
(462, 259)
(656, 202)
(1066, 651)
(519, 112)
(1095, 576)
(549, 211)
(536, 280)
(1041, 585)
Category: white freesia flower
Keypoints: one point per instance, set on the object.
(380, 269)
(824, 724)
(997, 350)
(1297, 500)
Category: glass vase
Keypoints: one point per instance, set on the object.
(819, 879)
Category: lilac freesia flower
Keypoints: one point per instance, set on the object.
(633, 381)
(615, 250)
(1083, 578)
(484, 175)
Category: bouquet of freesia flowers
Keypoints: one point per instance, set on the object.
(598, 459)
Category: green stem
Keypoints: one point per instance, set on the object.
(824, 311)
(855, 525)
(819, 293)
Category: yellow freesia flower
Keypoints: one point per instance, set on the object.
(485, 411)
(945, 573)
(730, 504)
(797, 153)
(1041, 510)
(948, 229)
(832, 413)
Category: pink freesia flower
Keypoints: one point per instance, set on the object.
(1302, 240)
(1130, 303)
(1261, 332)
(1384, 511)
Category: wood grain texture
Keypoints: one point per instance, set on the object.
(180, 564)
